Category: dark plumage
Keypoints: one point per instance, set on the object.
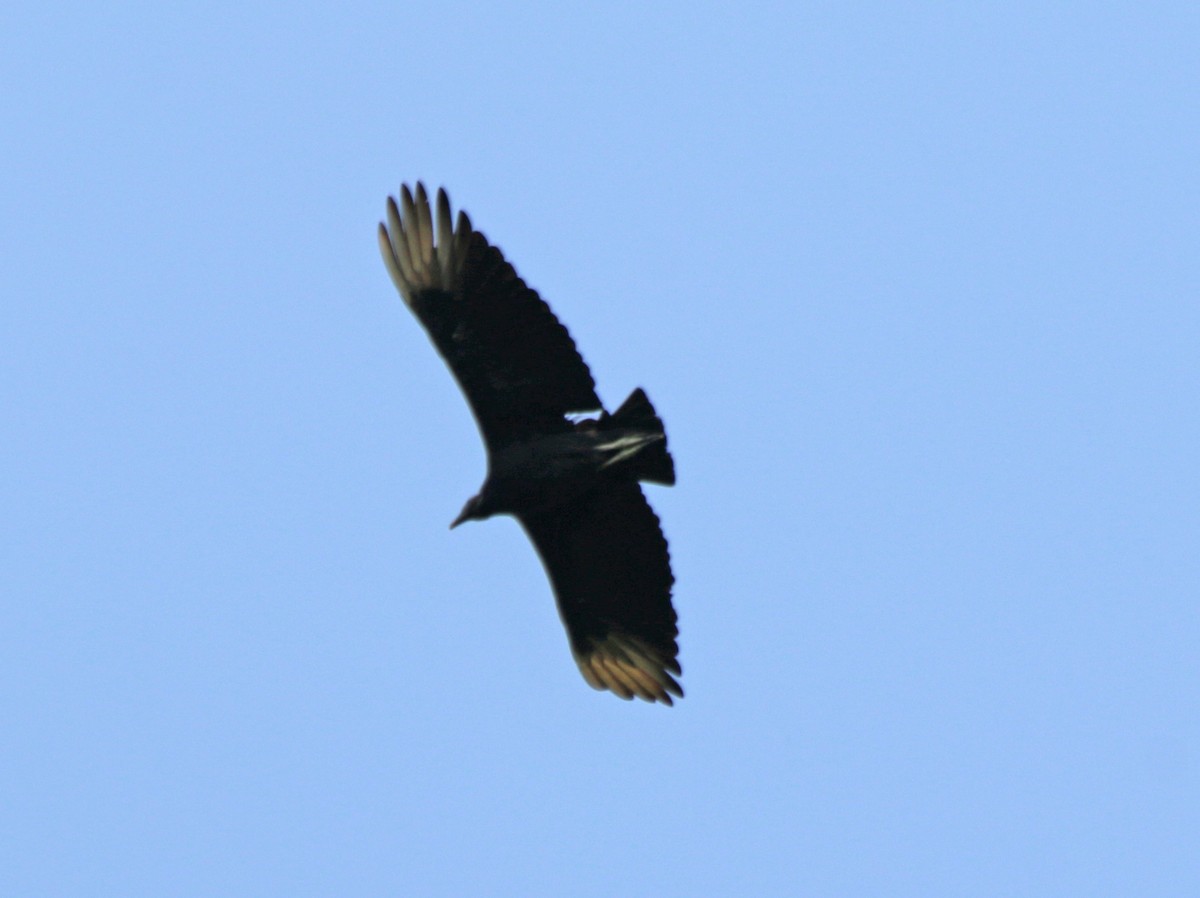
(572, 484)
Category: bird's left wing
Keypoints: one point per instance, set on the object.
(514, 360)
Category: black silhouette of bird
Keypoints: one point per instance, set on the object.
(573, 484)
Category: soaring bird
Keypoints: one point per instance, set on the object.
(572, 483)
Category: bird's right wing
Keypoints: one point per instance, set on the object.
(608, 562)
(515, 362)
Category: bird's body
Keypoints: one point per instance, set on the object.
(541, 473)
(572, 484)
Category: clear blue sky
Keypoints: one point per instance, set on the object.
(916, 289)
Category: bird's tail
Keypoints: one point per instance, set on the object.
(654, 462)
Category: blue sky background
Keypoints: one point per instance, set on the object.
(915, 287)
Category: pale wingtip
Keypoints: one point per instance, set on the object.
(628, 667)
(423, 252)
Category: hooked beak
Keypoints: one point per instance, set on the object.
(470, 512)
(465, 515)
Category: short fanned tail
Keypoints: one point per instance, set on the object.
(654, 463)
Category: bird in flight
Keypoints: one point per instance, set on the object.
(572, 483)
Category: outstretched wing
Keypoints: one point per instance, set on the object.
(610, 568)
(514, 360)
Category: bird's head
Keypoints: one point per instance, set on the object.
(474, 510)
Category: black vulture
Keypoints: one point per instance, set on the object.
(572, 483)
